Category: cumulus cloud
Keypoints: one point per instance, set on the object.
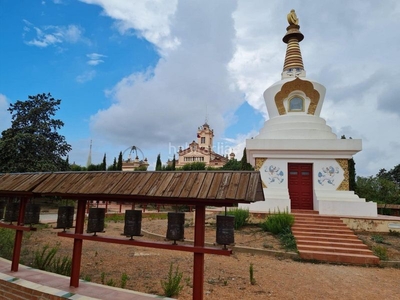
(95, 59)
(51, 35)
(148, 19)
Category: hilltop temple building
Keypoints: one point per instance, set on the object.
(303, 164)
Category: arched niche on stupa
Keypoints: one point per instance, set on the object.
(297, 88)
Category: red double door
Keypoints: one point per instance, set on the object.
(300, 186)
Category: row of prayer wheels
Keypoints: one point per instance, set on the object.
(10, 212)
(133, 224)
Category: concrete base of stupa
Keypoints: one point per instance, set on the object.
(325, 162)
(342, 203)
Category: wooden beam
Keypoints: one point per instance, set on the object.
(159, 245)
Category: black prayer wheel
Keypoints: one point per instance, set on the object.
(96, 220)
(2, 208)
(12, 212)
(225, 230)
(32, 213)
(65, 218)
(176, 222)
(133, 223)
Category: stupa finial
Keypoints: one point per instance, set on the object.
(293, 65)
(292, 18)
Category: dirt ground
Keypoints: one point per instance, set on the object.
(227, 277)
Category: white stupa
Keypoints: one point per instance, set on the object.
(303, 164)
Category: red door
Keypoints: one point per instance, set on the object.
(300, 186)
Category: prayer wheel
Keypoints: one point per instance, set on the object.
(225, 230)
(96, 220)
(176, 222)
(65, 218)
(32, 213)
(133, 223)
(2, 207)
(12, 212)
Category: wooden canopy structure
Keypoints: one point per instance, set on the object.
(218, 188)
(196, 188)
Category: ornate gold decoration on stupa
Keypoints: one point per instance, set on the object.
(292, 18)
(293, 65)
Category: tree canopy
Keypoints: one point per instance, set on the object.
(32, 143)
(382, 188)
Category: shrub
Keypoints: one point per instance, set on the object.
(6, 242)
(172, 286)
(277, 223)
(62, 266)
(377, 238)
(124, 279)
(394, 233)
(241, 216)
(381, 252)
(251, 271)
(46, 260)
(43, 259)
(287, 240)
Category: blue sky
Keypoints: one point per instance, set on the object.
(148, 73)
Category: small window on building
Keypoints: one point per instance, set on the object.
(203, 140)
(296, 104)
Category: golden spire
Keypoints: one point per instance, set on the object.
(293, 61)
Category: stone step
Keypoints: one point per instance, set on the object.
(304, 211)
(320, 222)
(334, 249)
(322, 230)
(325, 238)
(325, 233)
(316, 218)
(358, 259)
(335, 243)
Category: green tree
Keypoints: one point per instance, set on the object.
(32, 143)
(244, 165)
(104, 163)
(232, 164)
(119, 164)
(158, 163)
(194, 166)
(352, 171)
(113, 167)
(173, 163)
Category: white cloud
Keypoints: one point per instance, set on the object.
(95, 59)
(52, 35)
(86, 76)
(150, 19)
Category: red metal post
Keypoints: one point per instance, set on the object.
(198, 264)
(77, 251)
(18, 236)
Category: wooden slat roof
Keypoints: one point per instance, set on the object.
(210, 187)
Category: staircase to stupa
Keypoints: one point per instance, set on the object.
(328, 239)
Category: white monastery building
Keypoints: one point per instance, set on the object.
(303, 164)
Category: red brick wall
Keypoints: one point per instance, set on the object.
(13, 291)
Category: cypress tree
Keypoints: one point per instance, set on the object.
(158, 163)
(119, 164)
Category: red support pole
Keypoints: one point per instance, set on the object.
(77, 251)
(198, 264)
(18, 236)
